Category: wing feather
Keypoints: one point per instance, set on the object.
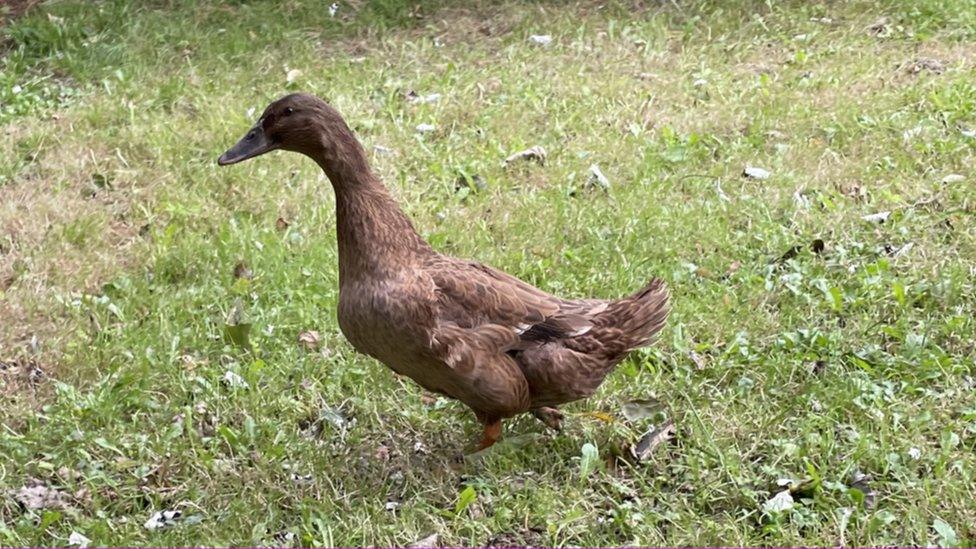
(474, 296)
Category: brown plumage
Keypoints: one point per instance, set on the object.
(456, 327)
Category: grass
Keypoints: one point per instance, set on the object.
(806, 342)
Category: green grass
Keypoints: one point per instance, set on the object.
(120, 236)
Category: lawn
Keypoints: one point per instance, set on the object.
(818, 363)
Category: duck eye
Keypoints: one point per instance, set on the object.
(289, 110)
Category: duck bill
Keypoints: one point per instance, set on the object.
(255, 143)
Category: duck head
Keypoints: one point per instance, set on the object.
(296, 122)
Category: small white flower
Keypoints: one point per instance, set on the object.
(914, 453)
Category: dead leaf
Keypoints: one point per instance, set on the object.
(926, 64)
(696, 359)
(862, 483)
(281, 224)
(237, 327)
(292, 75)
(854, 191)
(535, 154)
(652, 439)
(541, 39)
(284, 537)
(597, 179)
(733, 268)
(602, 416)
(241, 270)
(302, 480)
(532, 537)
(37, 495)
(473, 182)
(76, 539)
(163, 519)
(782, 501)
(34, 372)
(754, 172)
(879, 217)
(432, 540)
(879, 28)
(413, 97)
(309, 339)
(641, 409)
(234, 380)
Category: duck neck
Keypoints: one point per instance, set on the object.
(375, 237)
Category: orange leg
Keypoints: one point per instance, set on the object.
(493, 432)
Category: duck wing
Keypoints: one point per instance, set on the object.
(472, 295)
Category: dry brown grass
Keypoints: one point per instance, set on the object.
(63, 235)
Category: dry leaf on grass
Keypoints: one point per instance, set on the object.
(233, 380)
(432, 540)
(782, 501)
(241, 270)
(753, 172)
(237, 326)
(78, 540)
(652, 439)
(162, 519)
(535, 154)
(310, 340)
(879, 217)
(597, 179)
(37, 495)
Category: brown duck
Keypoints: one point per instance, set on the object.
(456, 327)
